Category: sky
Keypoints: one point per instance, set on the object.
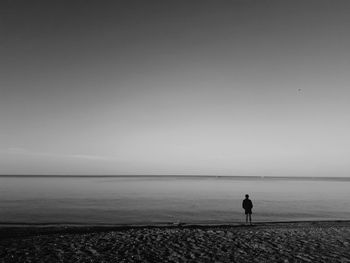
(240, 87)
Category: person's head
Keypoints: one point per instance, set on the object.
(246, 196)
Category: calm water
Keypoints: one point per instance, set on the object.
(119, 200)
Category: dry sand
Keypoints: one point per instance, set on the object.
(274, 242)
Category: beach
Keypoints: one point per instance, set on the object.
(322, 241)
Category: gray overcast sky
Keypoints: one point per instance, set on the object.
(236, 87)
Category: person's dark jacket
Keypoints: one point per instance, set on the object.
(247, 204)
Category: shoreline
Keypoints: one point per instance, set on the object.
(15, 230)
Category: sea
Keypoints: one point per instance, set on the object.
(169, 199)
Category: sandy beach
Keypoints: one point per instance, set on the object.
(263, 242)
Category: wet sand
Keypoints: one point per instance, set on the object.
(264, 242)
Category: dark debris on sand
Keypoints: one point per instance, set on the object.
(279, 243)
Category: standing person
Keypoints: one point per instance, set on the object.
(247, 205)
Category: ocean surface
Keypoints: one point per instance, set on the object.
(139, 200)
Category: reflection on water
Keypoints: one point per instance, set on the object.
(116, 200)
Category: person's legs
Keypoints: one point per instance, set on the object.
(250, 218)
(246, 218)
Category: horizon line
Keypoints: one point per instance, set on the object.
(175, 175)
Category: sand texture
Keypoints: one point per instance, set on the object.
(287, 242)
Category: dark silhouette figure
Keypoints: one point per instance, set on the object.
(247, 205)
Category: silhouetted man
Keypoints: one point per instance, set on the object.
(247, 205)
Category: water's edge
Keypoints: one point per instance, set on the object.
(16, 231)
